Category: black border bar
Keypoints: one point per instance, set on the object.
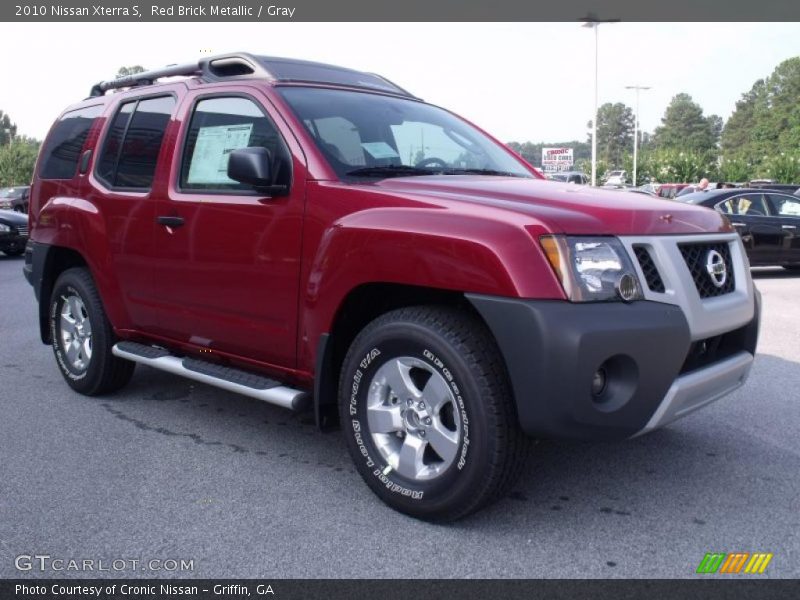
(703, 587)
(396, 10)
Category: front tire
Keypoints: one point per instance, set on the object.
(428, 413)
(82, 337)
(14, 251)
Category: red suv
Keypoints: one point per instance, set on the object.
(319, 238)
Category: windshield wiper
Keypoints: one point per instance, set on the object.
(389, 171)
(492, 172)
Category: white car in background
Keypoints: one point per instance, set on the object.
(616, 178)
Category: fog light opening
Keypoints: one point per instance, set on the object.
(599, 382)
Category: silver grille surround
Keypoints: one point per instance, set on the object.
(707, 317)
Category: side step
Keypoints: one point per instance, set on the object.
(226, 378)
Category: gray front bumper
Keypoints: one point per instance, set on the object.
(694, 390)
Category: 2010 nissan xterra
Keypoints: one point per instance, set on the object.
(319, 238)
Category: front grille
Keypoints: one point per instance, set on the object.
(22, 231)
(651, 274)
(696, 257)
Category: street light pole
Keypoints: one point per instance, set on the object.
(594, 118)
(636, 126)
(593, 22)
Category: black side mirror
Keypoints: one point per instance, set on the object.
(255, 166)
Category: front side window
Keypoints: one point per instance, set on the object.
(220, 126)
(62, 150)
(133, 143)
(370, 135)
(750, 205)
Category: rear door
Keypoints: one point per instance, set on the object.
(123, 185)
(786, 210)
(228, 256)
(762, 236)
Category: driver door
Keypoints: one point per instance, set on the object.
(228, 256)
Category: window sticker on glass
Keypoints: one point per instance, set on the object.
(210, 157)
(380, 150)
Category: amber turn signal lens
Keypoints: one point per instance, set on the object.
(553, 252)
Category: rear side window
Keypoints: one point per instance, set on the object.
(133, 143)
(62, 151)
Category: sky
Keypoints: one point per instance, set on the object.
(519, 81)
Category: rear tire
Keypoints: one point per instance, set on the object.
(82, 337)
(428, 413)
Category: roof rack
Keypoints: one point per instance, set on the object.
(243, 65)
(210, 69)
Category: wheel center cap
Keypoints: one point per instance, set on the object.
(412, 420)
(416, 418)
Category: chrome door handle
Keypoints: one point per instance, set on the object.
(739, 224)
(788, 226)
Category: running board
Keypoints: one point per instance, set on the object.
(226, 378)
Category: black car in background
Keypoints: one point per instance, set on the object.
(13, 232)
(768, 221)
(15, 198)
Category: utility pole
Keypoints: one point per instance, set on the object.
(638, 88)
(593, 22)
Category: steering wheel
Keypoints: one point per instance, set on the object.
(431, 161)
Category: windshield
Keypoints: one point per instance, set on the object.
(370, 135)
(10, 193)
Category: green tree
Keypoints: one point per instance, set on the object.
(783, 167)
(614, 133)
(766, 120)
(684, 127)
(125, 71)
(737, 135)
(529, 151)
(17, 161)
(735, 169)
(7, 129)
(677, 166)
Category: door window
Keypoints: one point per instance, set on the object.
(748, 205)
(133, 143)
(218, 127)
(785, 206)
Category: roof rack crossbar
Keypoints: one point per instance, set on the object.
(146, 77)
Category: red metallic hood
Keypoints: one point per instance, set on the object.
(561, 207)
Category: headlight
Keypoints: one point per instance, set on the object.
(5, 203)
(592, 269)
(4, 228)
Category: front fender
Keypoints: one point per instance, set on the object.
(425, 247)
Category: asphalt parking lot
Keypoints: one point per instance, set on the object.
(171, 469)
